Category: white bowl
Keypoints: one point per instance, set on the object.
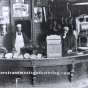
(8, 56)
(26, 55)
(39, 56)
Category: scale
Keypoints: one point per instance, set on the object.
(82, 30)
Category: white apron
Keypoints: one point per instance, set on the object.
(19, 42)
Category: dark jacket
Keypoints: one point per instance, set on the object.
(26, 40)
(69, 43)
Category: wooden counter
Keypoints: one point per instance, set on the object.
(68, 68)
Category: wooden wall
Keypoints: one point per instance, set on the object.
(58, 8)
(52, 78)
(37, 26)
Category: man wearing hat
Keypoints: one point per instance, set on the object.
(19, 39)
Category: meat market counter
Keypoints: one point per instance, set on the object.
(45, 70)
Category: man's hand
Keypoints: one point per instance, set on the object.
(69, 51)
(14, 49)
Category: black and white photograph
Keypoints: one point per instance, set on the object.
(43, 43)
(20, 10)
(38, 14)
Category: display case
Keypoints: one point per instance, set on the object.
(54, 46)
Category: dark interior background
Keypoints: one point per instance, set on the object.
(26, 27)
(58, 7)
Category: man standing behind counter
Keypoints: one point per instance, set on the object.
(68, 40)
(19, 39)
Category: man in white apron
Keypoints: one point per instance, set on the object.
(19, 39)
